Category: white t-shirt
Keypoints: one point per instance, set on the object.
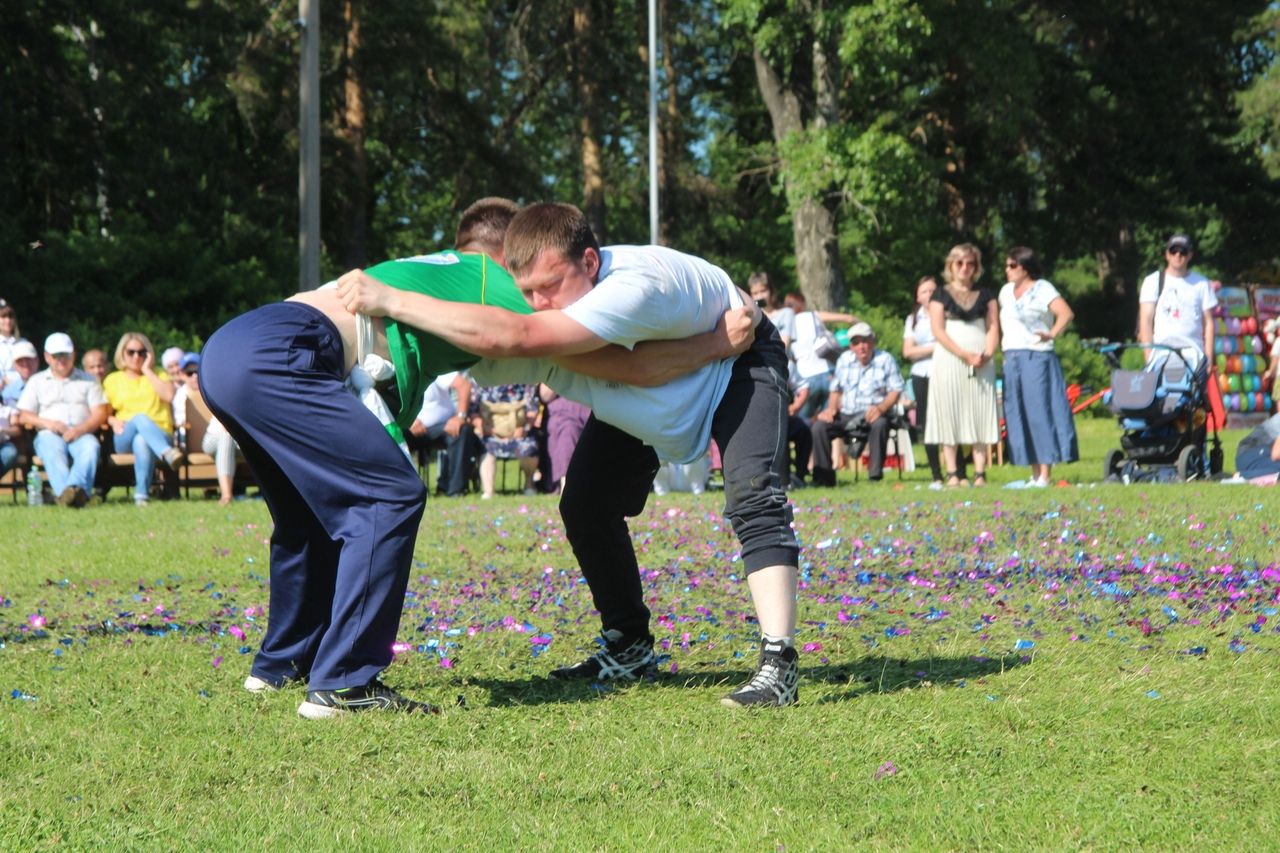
(68, 400)
(919, 328)
(1182, 306)
(437, 401)
(807, 362)
(1021, 318)
(179, 403)
(6, 352)
(643, 293)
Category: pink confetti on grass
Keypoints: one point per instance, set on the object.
(217, 662)
(446, 663)
(37, 621)
(886, 769)
(400, 648)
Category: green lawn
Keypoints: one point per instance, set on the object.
(1085, 666)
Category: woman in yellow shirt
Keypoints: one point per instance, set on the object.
(141, 417)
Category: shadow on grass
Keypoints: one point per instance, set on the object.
(837, 682)
(878, 674)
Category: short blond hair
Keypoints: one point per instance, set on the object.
(547, 225)
(959, 252)
(118, 358)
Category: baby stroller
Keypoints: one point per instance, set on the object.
(1164, 412)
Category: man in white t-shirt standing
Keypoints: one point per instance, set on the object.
(1176, 302)
(585, 298)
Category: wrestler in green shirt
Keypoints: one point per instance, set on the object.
(455, 277)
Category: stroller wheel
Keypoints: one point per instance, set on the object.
(1112, 464)
(1190, 463)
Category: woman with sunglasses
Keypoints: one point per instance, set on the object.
(141, 418)
(962, 389)
(1037, 415)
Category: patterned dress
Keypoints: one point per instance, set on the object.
(509, 448)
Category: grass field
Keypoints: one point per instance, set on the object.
(1092, 666)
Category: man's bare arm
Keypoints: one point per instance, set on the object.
(1146, 321)
(480, 329)
(654, 363)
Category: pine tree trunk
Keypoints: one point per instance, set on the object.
(355, 198)
(593, 203)
(813, 222)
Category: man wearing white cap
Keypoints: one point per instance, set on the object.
(66, 407)
(1177, 302)
(864, 389)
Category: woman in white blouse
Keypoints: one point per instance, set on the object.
(1037, 414)
(917, 348)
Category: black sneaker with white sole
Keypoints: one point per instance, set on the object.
(620, 657)
(374, 696)
(776, 682)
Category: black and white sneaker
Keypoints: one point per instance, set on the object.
(776, 682)
(620, 658)
(374, 696)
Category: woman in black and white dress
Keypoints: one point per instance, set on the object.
(962, 388)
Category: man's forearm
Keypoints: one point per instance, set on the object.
(479, 329)
(651, 363)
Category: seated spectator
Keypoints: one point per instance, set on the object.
(26, 361)
(66, 407)
(564, 422)
(1258, 454)
(216, 441)
(171, 361)
(9, 337)
(502, 415)
(444, 417)
(10, 429)
(141, 418)
(799, 432)
(94, 363)
(864, 390)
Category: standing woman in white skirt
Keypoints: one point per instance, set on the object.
(1037, 416)
(962, 389)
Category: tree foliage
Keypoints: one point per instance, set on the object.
(151, 172)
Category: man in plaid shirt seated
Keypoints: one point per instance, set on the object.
(864, 390)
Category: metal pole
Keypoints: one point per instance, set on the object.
(309, 147)
(653, 121)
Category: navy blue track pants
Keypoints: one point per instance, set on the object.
(345, 500)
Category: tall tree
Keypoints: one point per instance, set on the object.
(795, 63)
(352, 128)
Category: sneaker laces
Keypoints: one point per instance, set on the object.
(771, 673)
